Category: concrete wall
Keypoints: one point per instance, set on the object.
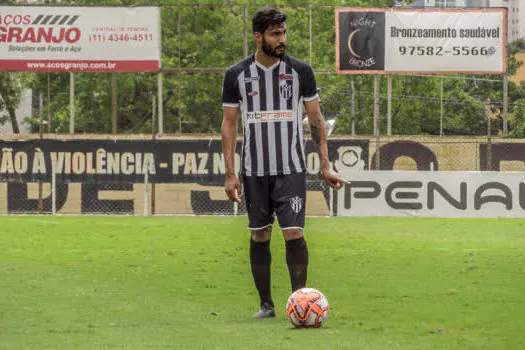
(520, 75)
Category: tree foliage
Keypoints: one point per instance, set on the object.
(202, 36)
(10, 92)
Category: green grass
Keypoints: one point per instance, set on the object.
(185, 283)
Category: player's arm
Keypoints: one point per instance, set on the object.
(316, 121)
(230, 104)
(232, 185)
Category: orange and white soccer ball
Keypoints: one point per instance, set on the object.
(307, 308)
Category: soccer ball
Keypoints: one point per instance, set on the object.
(307, 308)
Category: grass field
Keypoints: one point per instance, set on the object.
(185, 283)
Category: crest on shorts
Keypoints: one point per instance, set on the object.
(296, 203)
(285, 90)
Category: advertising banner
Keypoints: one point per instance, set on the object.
(110, 176)
(79, 39)
(451, 194)
(165, 161)
(381, 41)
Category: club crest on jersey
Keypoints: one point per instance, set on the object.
(296, 203)
(285, 90)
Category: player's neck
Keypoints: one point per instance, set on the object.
(265, 60)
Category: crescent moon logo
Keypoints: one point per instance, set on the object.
(350, 37)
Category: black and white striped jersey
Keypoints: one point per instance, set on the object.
(271, 102)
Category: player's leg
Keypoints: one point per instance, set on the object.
(296, 258)
(260, 216)
(289, 195)
(260, 261)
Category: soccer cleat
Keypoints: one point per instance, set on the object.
(267, 310)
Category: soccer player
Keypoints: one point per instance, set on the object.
(271, 89)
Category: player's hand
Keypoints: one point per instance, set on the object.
(333, 179)
(232, 187)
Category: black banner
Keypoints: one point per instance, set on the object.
(107, 177)
(128, 161)
(361, 41)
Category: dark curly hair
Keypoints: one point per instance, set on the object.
(265, 18)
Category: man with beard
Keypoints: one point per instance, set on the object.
(271, 89)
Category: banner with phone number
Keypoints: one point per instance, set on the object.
(79, 39)
(382, 41)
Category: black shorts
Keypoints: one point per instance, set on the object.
(271, 195)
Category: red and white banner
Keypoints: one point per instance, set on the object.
(79, 39)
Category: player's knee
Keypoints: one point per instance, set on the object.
(292, 234)
(262, 235)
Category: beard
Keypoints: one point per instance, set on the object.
(272, 52)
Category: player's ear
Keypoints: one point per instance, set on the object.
(258, 36)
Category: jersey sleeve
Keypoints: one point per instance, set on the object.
(230, 89)
(308, 84)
